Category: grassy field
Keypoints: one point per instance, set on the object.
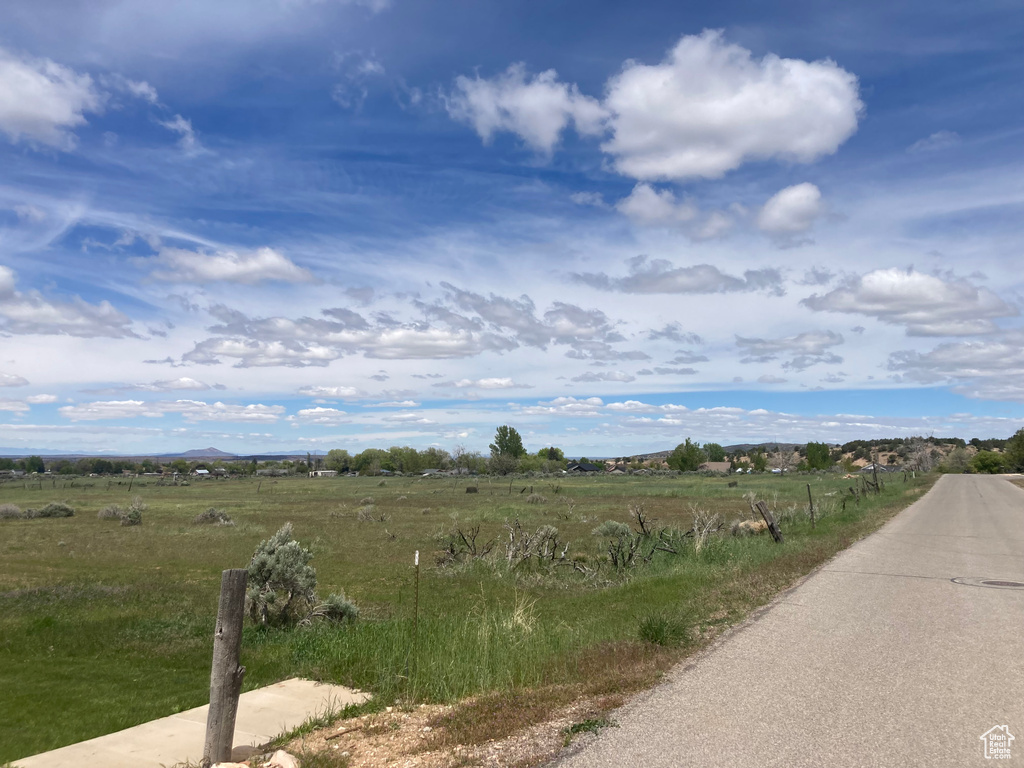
(104, 626)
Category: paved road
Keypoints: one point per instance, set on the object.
(877, 659)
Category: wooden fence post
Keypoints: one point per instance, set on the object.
(810, 502)
(226, 673)
(769, 519)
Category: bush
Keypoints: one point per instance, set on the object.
(213, 516)
(53, 509)
(536, 498)
(111, 512)
(10, 512)
(337, 608)
(132, 517)
(282, 583)
(659, 629)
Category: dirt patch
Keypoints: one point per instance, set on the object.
(438, 736)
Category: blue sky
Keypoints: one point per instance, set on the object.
(306, 224)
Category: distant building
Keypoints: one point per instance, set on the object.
(715, 466)
(323, 473)
(582, 466)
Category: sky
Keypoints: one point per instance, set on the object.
(297, 225)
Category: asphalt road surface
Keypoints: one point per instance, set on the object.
(877, 659)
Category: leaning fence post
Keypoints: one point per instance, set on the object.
(769, 519)
(810, 503)
(226, 673)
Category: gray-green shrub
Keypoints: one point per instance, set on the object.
(10, 512)
(213, 516)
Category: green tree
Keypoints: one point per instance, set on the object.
(34, 464)
(818, 456)
(758, 460)
(1014, 451)
(338, 460)
(551, 454)
(988, 463)
(687, 457)
(714, 452)
(507, 442)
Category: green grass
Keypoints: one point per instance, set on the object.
(104, 626)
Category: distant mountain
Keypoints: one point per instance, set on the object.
(205, 453)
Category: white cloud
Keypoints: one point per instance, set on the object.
(488, 383)
(43, 102)
(925, 304)
(319, 391)
(249, 267)
(661, 276)
(32, 313)
(809, 349)
(191, 410)
(938, 140)
(791, 211)
(139, 89)
(646, 205)
(710, 107)
(322, 416)
(537, 109)
(992, 369)
(15, 406)
(591, 377)
(567, 406)
(394, 404)
(770, 379)
(30, 214)
(41, 399)
(187, 141)
(172, 385)
(12, 380)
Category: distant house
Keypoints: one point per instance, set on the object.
(201, 473)
(715, 466)
(429, 472)
(870, 468)
(582, 467)
(323, 473)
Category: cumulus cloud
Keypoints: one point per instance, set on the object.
(661, 276)
(791, 212)
(990, 369)
(43, 102)
(464, 324)
(191, 410)
(647, 205)
(338, 391)
(710, 106)
(591, 377)
(674, 332)
(173, 385)
(179, 265)
(566, 406)
(537, 108)
(808, 349)
(705, 110)
(12, 380)
(394, 404)
(32, 313)
(487, 383)
(926, 305)
(41, 399)
(14, 406)
(328, 417)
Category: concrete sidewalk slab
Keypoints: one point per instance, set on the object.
(263, 714)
